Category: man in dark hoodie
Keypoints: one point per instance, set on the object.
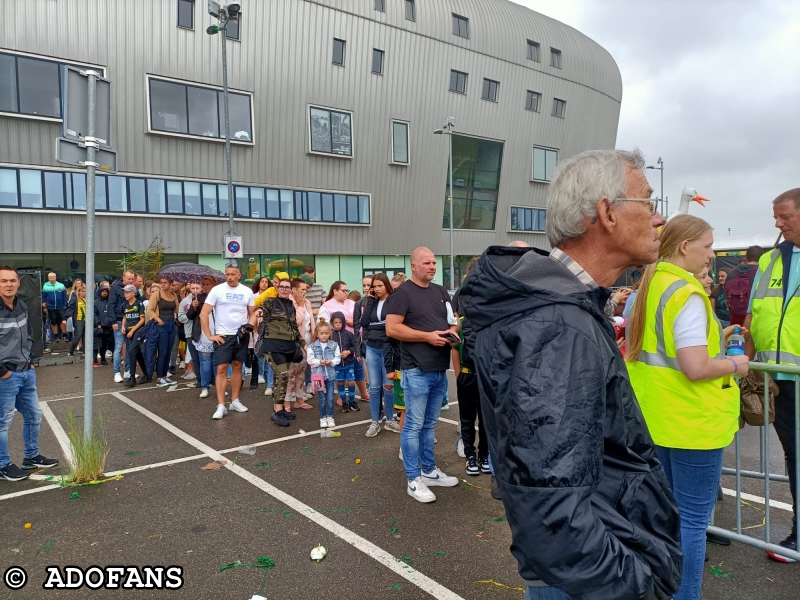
(116, 299)
(591, 513)
(103, 321)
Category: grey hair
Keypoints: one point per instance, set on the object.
(578, 184)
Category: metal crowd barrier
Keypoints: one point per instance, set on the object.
(764, 473)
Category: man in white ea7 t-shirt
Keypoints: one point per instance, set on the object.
(232, 304)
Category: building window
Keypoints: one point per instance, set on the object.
(533, 51)
(489, 90)
(410, 11)
(559, 107)
(330, 132)
(528, 219)
(233, 27)
(379, 5)
(186, 14)
(400, 145)
(458, 82)
(338, 52)
(32, 86)
(555, 58)
(532, 101)
(377, 61)
(460, 26)
(198, 111)
(544, 164)
(476, 183)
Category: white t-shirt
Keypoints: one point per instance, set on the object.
(691, 324)
(380, 311)
(230, 307)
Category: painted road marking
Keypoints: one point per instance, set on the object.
(61, 435)
(759, 499)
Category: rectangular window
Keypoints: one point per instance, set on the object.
(242, 198)
(137, 195)
(352, 209)
(458, 82)
(555, 58)
(156, 199)
(287, 204)
(476, 183)
(8, 83)
(338, 52)
(528, 219)
(489, 90)
(340, 208)
(186, 14)
(198, 111)
(233, 27)
(222, 200)
(8, 187)
(331, 132)
(117, 194)
(300, 212)
(400, 146)
(363, 209)
(377, 61)
(533, 51)
(79, 191)
(380, 5)
(532, 101)
(100, 195)
(460, 26)
(258, 209)
(54, 190)
(210, 199)
(411, 14)
(559, 107)
(30, 187)
(327, 207)
(314, 206)
(174, 197)
(273, 205)
(191, 195)
(544, 164)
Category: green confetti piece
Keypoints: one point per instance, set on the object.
(409, 560)
(263, 464)
(132, 453)
(262, 562)
(720, 573)
(75, 496)
(396, 586)
(46, 548)
(286, 513)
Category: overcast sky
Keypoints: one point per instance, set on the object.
(711, 86)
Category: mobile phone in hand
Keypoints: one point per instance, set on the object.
(452, 338)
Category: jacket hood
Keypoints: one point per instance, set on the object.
(341, 316)
(743, 270)
(507, 281)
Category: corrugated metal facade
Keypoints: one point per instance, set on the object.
(284, 58)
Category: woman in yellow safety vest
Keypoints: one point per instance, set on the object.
(681, 376)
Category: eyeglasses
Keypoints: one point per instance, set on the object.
(653, 202)
(284, 287)
(345, 290)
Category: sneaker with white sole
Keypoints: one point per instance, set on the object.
(331, 422)
(261, 380)
(268, 391)
(162, 383)
(472, 467)
(189, 375)
(419, 491)
(248, 371)
(484, 463)
(182, 365)
(127, 374)
(323, 422)
(237, 406)
(109, 354)
(392, 425)
(374, 428)
(438, 477)
(220, 412)
(118, 378)
(790, 543)
(204, 393)
(460, 448)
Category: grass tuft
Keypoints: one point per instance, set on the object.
(89, 452)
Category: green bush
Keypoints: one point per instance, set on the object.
(90, 452)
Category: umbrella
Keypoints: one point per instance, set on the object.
(190, 273)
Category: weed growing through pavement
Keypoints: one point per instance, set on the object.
(89, 452)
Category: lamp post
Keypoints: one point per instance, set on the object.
(225, 13)
(447, 128)
(660, 168)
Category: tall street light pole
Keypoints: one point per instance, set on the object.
(660, 168)
(449, 123)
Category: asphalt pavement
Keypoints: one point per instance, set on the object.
(296, 492)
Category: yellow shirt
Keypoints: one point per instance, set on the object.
(268, 293)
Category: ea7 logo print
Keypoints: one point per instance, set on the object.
(234, 297)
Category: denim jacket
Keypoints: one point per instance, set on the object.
(316, 352)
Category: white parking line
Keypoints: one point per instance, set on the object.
(359, 543)
(758, 499)
(61, 435)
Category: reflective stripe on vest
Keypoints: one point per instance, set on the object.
(787, 358)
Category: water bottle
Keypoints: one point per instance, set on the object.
(735, 346)
(328, 433)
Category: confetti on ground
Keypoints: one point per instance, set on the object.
(495, 520)
(304, 450)
(720, 573)
(132, 453)
(67, 483)
(396, 586)
(28, 525)
(394, 529)
(76, 496)
(286, 513)
(156, 535)
(358, 461)
(263, 464)
(354, 479)
(47, 547)
(498, 584)
(464, 481)
(410, 559)
(262, 562)
(380, 571)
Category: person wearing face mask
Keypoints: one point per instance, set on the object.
(678, 369)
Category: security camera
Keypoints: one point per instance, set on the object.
(233, 10)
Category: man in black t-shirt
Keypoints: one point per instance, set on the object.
(133, 327)
(419, 314)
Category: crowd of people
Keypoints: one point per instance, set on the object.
(601, 416)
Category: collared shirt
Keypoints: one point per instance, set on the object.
(574, 268)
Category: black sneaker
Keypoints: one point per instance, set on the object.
(147, 379)
(103, 362)
(495, 489)
(354, 406)
(484, 463)
(253, 385)
(12, 473)
(345, 407)
(287, 415)
(172, 369)
(38, 462)
(472, 466)
(790, 543)
(129, 383)
(279, 419)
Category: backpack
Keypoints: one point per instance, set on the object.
(737, 292)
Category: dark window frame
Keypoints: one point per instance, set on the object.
(546, 150)
(382, 55)
(521, 213)
(460, 26)
(180, 3)
(344, 52)
(529, 94)
(331, 111)
(489, 93)
(411, 8)
(534, 51)
(458, 74)
(379, 5)
(393, 160)
(563, 106)
(555, 58)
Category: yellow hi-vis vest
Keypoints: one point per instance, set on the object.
(693, 415)
(773, 330)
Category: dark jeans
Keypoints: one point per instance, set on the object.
(134, 353)
(469, 409)
(160, 338)
(77, 335)
(103, 341)
(784, 427)
(195, 357)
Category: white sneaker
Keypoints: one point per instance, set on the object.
(437, 477)
(268, 391)
(261, 379)
(331, 422)
(238, 406)
(220, 412)
(248, 370)
(109, 354)
(182, 365)
(118, 378)
(127, 374)
(189, 375)
(460, 448)
(419, 491)
(373, 429)
(309, 389)
(323, 422)
(204, 393)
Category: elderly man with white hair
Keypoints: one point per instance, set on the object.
(590, 510)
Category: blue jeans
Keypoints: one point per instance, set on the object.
(119, 340)
(377, 377)
(161, 338)
(266, 371)
(446, 388)
(423, 392)
(545, 593)
(18, 390)
(694, 478)
(358, 370)
(208, 368)
(326, 399)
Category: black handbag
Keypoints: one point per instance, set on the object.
(298, 355)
